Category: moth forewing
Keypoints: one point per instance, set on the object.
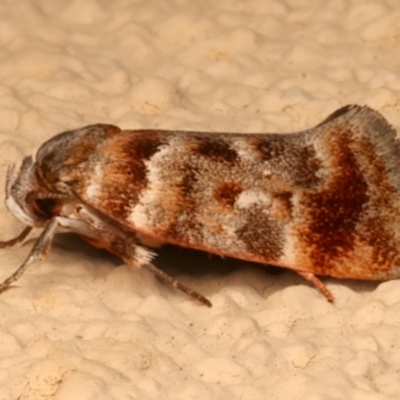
(313, 201)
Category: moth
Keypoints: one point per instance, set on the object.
(321, 202)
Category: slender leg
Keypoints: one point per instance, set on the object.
(121, 244)
(177, 284)
(18, 239)
(318, 284)
(39, 251)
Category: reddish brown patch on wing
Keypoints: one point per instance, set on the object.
(375, 232)
(227, 192)
(335, 210)
(144, 144)
(134, 150)
(216, 149)
(282, 206)
(124, 172)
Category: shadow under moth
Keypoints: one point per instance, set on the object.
(324, 201)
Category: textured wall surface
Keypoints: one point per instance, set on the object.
(82, 326)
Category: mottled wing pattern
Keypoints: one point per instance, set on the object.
(324, 200)
(349, 227)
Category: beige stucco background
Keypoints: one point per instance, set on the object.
(80, 325)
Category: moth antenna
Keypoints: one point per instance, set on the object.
(40, 250)
(10, 173)
(17, 239)
(165, 278)
(50, 195)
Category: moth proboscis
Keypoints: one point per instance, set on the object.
(323, 201)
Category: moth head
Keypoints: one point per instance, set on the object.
(27, 199)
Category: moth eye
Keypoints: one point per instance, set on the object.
(46, 207)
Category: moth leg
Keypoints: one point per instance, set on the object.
(38, 252)
(17, 239)
(124, 246)
(317, 283)
(177, 284)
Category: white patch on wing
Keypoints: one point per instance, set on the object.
(93, 189)
(290, 257)
(149, 208)
(138, 217)
(249, 198)
(243, 149)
